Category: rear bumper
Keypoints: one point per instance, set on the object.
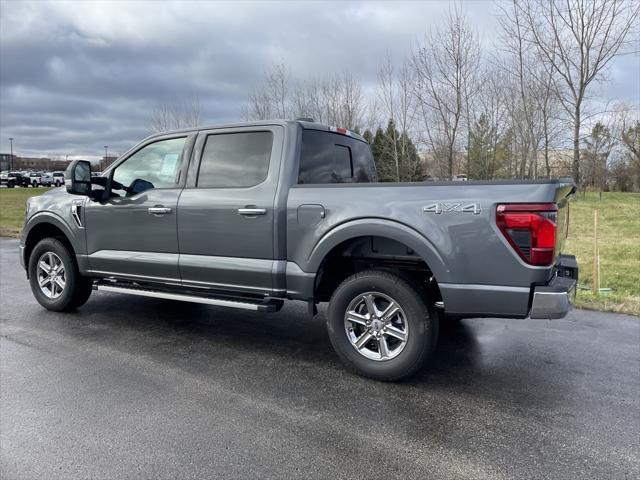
(555, 299)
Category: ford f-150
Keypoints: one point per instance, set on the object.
(251, 215)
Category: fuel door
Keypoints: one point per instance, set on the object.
(310, 215)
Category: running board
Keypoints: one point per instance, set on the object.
(257, 306)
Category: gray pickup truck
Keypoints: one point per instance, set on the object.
(250, 215)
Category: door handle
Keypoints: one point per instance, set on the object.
(252, 211)
(159, 210)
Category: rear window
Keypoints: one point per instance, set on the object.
(327, 157)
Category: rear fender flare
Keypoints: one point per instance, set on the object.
(378, 227)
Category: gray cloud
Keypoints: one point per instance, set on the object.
(76, 76)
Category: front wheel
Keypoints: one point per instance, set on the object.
(55, 280)
(380, 325)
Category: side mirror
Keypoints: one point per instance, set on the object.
(138, 186)
(77, 177)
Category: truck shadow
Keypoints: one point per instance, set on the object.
(205, 339)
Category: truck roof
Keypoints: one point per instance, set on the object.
(304, 123)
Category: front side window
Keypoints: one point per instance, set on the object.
(235, 160)
(154, 166)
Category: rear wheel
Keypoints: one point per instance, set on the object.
(380, 325)
(54, 277)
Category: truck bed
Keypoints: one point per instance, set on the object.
(475, 267)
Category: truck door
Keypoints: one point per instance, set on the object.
(226, 212)
(133, 233)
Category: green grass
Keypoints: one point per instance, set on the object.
(12, 208)
(619, 243)
(619, 232)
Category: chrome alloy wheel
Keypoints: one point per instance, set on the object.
(51, 275)
(376, 326)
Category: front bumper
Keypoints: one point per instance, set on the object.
(555, 299)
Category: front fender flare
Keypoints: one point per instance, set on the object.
(378, 227)
(57, 221)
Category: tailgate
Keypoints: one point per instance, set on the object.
(565, 190)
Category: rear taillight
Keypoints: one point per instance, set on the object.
(530, 228)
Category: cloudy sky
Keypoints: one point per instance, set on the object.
(75, 76)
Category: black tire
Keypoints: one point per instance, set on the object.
(34, 184)
(421, 320)
(82, 293)
(77, 288)
(10, 184)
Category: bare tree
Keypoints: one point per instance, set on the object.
(337, 99)
(545, 98)
(626, 128)
(277, 86)
(577, 39)
(443, 67)
(175, 114)
(350, 110)
(399, 107)
(532, 98)
(272, 98)
(491, 127)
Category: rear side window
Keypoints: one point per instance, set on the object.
(235, 160)
(327, 157)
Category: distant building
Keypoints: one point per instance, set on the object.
(41, 163)
(5, 161)
(106, 161)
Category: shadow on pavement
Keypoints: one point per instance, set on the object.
(169, 330)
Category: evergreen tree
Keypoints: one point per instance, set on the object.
(503, 154)
(411, 168)
(396, 156)
(382, 156)
(598, 147)
(481, 149)
(488, 151)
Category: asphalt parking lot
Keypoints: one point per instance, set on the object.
(141, 388)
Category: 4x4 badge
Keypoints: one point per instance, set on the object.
(458, 207)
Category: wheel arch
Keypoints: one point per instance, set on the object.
(419, 259)
(377, 227)
(44, 225)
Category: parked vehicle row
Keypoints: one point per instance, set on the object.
(32, 179)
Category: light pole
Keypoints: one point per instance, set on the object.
(11, 154)
(105, 154)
